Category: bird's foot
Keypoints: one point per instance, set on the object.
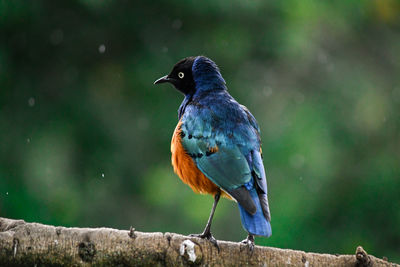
(249, 242)
(208, 236)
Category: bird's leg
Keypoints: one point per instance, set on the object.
(249, 241)
(207, 230)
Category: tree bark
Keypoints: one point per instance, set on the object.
(34, 244)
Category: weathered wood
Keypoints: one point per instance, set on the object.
(34, 244)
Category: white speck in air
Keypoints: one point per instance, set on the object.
(31, 102)
(102, 49)
(177, 24)
(267, 91)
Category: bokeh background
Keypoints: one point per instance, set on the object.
(85, 134)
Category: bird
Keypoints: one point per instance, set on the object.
(216, 146)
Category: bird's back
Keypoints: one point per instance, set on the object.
(217, 116)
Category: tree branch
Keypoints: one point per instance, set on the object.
(34, 244)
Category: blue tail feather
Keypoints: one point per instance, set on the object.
(255, 224)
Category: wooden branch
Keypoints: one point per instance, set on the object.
(34, 244)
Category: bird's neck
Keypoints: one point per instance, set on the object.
(208, 82)
(207, 76)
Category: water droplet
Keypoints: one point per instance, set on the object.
(267, 91)
(31, 102)
(177, 24)
(7, 193)
(102, 48)
(102, 175)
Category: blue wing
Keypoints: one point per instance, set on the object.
(221, 161)
(224, 142)
(222, 137)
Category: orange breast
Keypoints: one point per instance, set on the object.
(186, 169)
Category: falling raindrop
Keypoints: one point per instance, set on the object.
(177, 24)
(102, 175)
(267, 91)
(31, 102)
(7, 193)
(102, 49)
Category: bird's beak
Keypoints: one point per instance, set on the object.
(163, 79)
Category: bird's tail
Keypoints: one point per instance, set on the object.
(256, 224)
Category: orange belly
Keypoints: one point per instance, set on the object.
(187, 170)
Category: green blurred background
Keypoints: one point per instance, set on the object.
(85, 134)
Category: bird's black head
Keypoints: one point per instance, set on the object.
(181, 76)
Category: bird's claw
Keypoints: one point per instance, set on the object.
(249, 242)
(208, 236)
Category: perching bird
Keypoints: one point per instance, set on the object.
(216, 146)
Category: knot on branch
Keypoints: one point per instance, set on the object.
(15, 246)
(86, 250)
(363, 260)
(132, 232)
(190, 251)
(305, 261)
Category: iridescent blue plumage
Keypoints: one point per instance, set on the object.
(222, 137)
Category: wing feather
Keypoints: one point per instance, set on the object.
(223, 149)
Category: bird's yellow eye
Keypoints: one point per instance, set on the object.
(181, 75)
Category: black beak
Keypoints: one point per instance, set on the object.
(163, 79)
